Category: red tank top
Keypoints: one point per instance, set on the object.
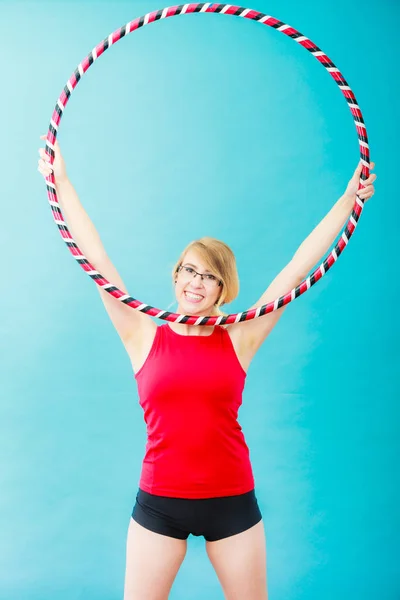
(190, 389)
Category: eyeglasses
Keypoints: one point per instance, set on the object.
(188, 273)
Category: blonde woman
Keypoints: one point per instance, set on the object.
(196, 474)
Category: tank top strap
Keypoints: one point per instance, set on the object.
(228, 346)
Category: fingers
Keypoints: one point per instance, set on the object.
(44, 137)
(358, 170)
(368, 189)
(360, 166)
(45, 157)
(44, 166)
(371, 165)
(369, 180)
(44, 169)
(43, 154)
(366, 193)
(42, 151)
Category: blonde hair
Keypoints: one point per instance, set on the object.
(220, 260)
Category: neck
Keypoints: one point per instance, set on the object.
(183, 329)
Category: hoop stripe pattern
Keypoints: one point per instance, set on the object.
(225, 9)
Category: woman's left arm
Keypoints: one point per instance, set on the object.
(311, 251)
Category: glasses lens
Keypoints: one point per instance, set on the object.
(210, 280)
(188, 273)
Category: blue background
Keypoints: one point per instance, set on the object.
(199, 125)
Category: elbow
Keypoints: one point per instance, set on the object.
(298, 272)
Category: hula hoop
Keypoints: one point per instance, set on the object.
(223, 9)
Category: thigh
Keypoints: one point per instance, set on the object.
(152, 563)
(240, 563)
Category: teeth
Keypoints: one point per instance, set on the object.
(194, 296)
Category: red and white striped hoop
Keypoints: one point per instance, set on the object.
(223, 9)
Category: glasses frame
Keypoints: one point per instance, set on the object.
(202, 275)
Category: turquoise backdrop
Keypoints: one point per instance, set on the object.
(199, 125)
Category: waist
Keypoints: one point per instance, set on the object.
(190, 470)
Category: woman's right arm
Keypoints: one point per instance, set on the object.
(133, 327)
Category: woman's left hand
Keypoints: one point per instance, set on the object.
(368, 188)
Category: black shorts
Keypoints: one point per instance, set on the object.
(213, 518)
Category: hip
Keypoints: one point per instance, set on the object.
(213, 518)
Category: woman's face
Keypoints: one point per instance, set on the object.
(196, 295)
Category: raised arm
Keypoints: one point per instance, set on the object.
(249, 335)
(132, 326)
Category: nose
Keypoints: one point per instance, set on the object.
(196, 282)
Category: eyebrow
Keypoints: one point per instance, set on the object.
(195, 267)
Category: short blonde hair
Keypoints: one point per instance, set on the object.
(220, 260)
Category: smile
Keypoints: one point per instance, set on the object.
(191, 297)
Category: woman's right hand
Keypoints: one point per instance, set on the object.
(58, 167)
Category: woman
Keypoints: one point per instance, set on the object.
(196, 475)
